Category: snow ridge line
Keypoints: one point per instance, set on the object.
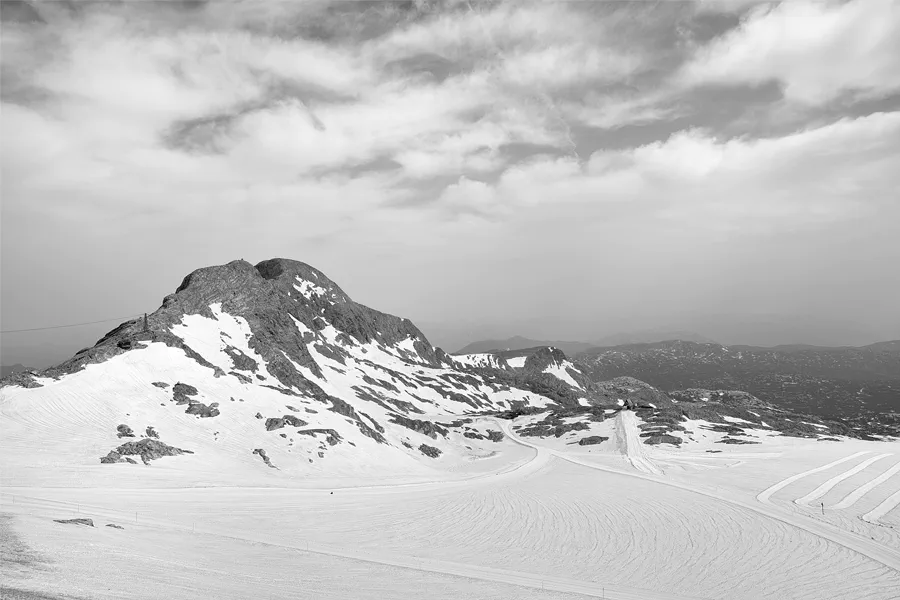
(519, 578)
(861, 491)
(882, 509)
(868, 548)
(765, 494)
(825, 487)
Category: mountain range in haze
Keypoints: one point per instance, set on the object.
(572, 348)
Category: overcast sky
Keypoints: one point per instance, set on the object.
(554, 170)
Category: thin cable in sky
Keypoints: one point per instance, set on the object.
(72, 325)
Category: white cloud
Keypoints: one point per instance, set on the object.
(843, 170)
(816, 50)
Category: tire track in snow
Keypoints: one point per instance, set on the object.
(826, 487)
(524, 579)
(868, 548)
(629, 443)
(861, 491)
(767, 493)
(882, 509)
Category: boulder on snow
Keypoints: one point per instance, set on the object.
(182, 391)
(262, 455)
(592, 440)
(124, 431)
(88, 522)
(202, 410)
(114, 526)
(429, 451)
(655, 440)
(148, 449)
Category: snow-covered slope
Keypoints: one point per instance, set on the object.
(263, 372)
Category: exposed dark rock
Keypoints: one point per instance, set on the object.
(342, 408)
(264, 457)
(151, 432)
(332, 437)
(258, 416)
(828, 439)
(148, 449)
(112, 457)
(241, 377)
(88, 522)
(124, 431)
(592, 440)
(114, 526)
(294, 421)
(289, 407)
(274, 423)
(663, 439)
(429, 451)
(552, 425)
(735, 441)
(241, 361)
(160, 384)
(181, 393)
(473, 435)
(428, 428)
(202, 410)
(495, 436)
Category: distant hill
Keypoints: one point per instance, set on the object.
(652, 336)
(9, 369)
(840, 382)
(521, 343)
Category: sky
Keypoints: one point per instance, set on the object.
(558, 170)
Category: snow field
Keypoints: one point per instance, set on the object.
(561, 520)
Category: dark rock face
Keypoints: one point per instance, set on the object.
(735, 441)
(182, 391)
(274, 423)
(241, 361)
(543, 358)
(553, 425)
(294, 421)
(114, 526)
(662, 439)
(152, 432)
(202, 410)
(148, 449)
(264, 457)
(88, 522)
(592, 440)
(430, 451)
(332, 437)
(160, 384)
(495, 436)
(342, 408)
(124, 431)
(424, 427)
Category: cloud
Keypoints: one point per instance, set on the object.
(449, 140)
(807, 179)
(817, 51)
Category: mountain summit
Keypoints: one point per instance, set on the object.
(254, 374)
(271, 365)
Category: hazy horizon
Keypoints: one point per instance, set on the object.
(562, 171)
